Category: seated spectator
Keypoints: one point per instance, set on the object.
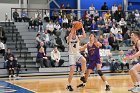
(87, 24)
(122, 23)
(106, 43)
(68, 12)
(24, 16)
(40, 25)
(100, 39)
(57, 27)
(15, 15)
(11, 64)
(126, 38)
(101, 24)
(41, 45)
(65, 22)
(55, 15)
(92, 10)
(56, 58)
(96, 15)
(59, 43)
(114, 30)
(122, 62)
(118, 29)
(32, 23)
(7, 56)
(106, 29)
(114, 8)
(112, 42)
(94, 27)
(86, 15)
(119, 38)
(2, 35)
(42, 58)
(2, 48)
(114, 22)
(114, 65)
(50, 28)
(107, 16)
(137, 15)
(38, 39)
(60, 20)
(46, 38)
(46, 16)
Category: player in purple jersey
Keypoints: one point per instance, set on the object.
(94, 60)
(135, 37)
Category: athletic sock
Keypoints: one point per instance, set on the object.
(106, 83)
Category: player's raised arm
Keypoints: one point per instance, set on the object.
(83, 34)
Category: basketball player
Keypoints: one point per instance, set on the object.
(135, 37)
(74, 55)
(94, 60)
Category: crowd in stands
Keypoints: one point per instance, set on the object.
(110, 26)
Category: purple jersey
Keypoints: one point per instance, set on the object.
(93, 53)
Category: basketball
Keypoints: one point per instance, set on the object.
(77, 25)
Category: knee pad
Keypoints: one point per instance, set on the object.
(100, 72)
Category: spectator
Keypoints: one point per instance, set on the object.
(100, 39)
(2, 48)
(7, 56)
(112, 41)
(119, 29)
(86, 15)
(59, 43)
(106, 29)
(60, 21)
(137, 15)
(56, 58)
(94, 27)
(126, 38)
(32, 23)
(2, 35)
(122, 23)
(46, 39)
(96, 15)
(101, 24)
(107, 16)
(42, 58)
(65, 22)
(68, 12)
(114, 8)
(119, 38)
(62, 12)
(124, 30)
(11, 64)
(50, 28)
(42, 45)
(106, 43)
(113, 30)
(38, 39)
(87, 24)
(57, 28)
(24, 16)
(92, 10)
(73, 15)
(121, 61)
(15, 15)
(114, 22)
(47, 16)
(114, 65)
(55, 15)
(104, 7)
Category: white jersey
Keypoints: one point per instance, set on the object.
(74, 46)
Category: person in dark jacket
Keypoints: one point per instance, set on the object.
(11, 64)
(15, 15)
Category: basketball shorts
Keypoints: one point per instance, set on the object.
(74, 58)
(92, 64)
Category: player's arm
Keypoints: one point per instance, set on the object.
(83, 47)
(70, 35)
(97, 43)
(83, 35)
(137, 54)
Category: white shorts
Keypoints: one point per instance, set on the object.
(73, 58)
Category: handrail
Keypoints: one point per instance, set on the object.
(20, 48)
(12, 33)
(16, 41)
(25, 58)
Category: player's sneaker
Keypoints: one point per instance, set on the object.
(131, 88)
(107, 88)
(136, 89)
(81, 85)
(83, 79)
(69, 87)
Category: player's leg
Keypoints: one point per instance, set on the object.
(72, 63)
(135, 77)
(103, 77)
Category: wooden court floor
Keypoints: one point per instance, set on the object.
(119, 84)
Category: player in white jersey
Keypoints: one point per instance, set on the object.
(74, 54)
